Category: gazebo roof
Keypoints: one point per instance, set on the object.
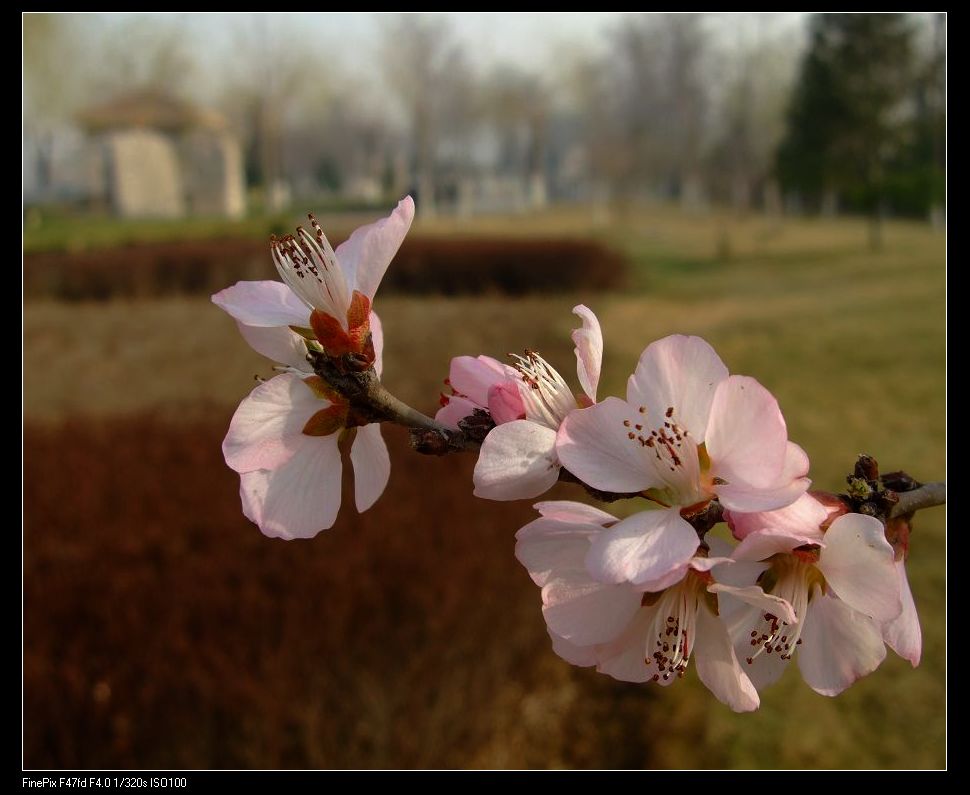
(150, 108)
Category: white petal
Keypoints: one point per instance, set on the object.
(857, 562)
(681, 373)
(903, 633)
(754, 596)
(623, 658)
(548, 547)
(266, 303)
(643, 548)
(365, 255)
(268, 425)
(589, 350)
(517, 461)
(569, 511)
(747, 498)
(762, 544)
(717, 666)
(372, 465)
(299, 498)
(594, 445)
(839, 645)
(457, 408)
(278, 343)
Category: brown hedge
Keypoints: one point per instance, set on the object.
(446, 266)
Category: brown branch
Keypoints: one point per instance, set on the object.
(928, 495)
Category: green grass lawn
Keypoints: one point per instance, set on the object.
(851, 341)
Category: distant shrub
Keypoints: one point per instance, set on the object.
(446, 266)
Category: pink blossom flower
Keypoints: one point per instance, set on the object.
(645, 633)
(324, 290)
(283, 438)
(841, 583)
(688, 432)
(481, 383)
(518, 458)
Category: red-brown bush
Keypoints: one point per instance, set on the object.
(161, 629)
(445, 266)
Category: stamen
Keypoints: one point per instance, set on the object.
(548, 398)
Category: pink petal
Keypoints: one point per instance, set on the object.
(589, 350)
(643, 548)
(857, 562)
(762, 544)
(377, 337)
(594, 445)
(457, 408)
(365, 255)
(569, 511)
(278, 343)
(473, 376)
(517, 461)
(583, 656)
(903, 633)
(264, 303)
(623, 658)
(746, 439)
(585, 612)
(300, 497)
(747, 498)
(505, 402)
(372, 465)
(839, 645)
(717, 666)
(268, 425)
(681, 373)
(803, 518)
(548, 547)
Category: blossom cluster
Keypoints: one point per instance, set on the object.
(638, 596)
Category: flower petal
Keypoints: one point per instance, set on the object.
(457, 408)
(473, 376)
(517, 461)
(623, 658)
(300, 497)
(583, 656)
(569, 511)
(645, 547)
(747, 438)
(903, 633)
(365, 255)
(803, 518)
(548, 547)
(839, 645)
(372, 465)
(857, 562)
(589, 350)
(278, 343)
(764, 669)
(265, 303)
(377, 337)
(717, 666)
(268, 425)
(757, 598)
(505, 402)
(681, 373)
(762, 544)
(594, 445)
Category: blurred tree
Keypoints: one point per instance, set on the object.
(428, 71)
(847, 120)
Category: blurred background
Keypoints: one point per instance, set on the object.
(772, 182)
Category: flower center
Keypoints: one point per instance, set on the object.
(772, 635)
(670, 639)
(308, 265)
(675, 455)
(546, 396)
